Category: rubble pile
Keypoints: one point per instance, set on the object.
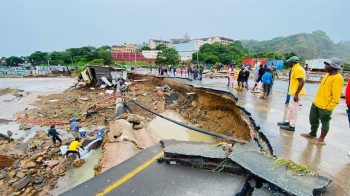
(72, 103)
(37, 166)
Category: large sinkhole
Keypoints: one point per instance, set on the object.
(203, 108)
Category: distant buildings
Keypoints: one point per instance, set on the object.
(124, 48)
(185, 47)
(153, 43)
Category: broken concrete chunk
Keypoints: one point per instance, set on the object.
(104, 79)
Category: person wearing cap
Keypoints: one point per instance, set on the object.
(327, 98)
(74, 128)
(296, 89)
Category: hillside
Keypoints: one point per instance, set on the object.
(306, 46)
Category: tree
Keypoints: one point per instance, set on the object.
(105, 55)
(38, 58)
(14, 61)
(168, 56)
(144, 48)
(161, 47)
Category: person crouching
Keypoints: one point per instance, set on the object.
(74, 147)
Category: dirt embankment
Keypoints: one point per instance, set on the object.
(201, 108)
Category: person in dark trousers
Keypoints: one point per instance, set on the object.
(54, 135)
(261, 73)
(74, 147)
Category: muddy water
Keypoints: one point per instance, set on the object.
(32, 88)
(76, 176)
(165, 129)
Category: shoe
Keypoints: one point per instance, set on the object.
(282, 123)
(287, 127)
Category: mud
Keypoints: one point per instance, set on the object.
(204, 109)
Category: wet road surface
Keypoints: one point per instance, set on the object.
(330, 160)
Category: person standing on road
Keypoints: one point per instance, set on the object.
(327, 98)
(74, 128)
(347, 99)
(261, 73)
(54, 135)
(267, 82)
(296, 88)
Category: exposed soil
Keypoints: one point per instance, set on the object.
(208, 110)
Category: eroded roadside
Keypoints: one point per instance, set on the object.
(206, 109)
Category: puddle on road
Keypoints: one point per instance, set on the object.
(165, 129)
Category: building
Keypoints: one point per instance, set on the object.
(150, 54)
(131, 56)
(124, 48)
(222, 40)
(153, 43)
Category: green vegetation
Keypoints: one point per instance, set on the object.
(72, 56)
(299, 169)
(306, 46)
(168, 56)
(229, 54)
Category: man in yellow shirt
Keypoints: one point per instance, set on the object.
(74, 147)
(296, 88)
(327, 98)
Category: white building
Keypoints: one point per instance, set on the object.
(153, 43)
(150, 54)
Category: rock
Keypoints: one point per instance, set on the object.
(122, 116)
(37, 155)
(25, 126)
(137, 127)
(1, 183)
(12, 181)
(39, 160)
(9, 133)
(32, 171)
(132, 118)
(20, 175)
(194, 103)
(160, 93)
(42, 135)
(84, 98)
(79, 162)
(29, 165)
(38, 180)
(23, 183)
(53, 163)
(155, 108)
(12, 174)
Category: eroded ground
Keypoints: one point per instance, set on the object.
(93, 106)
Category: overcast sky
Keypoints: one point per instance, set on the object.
(55, 25)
